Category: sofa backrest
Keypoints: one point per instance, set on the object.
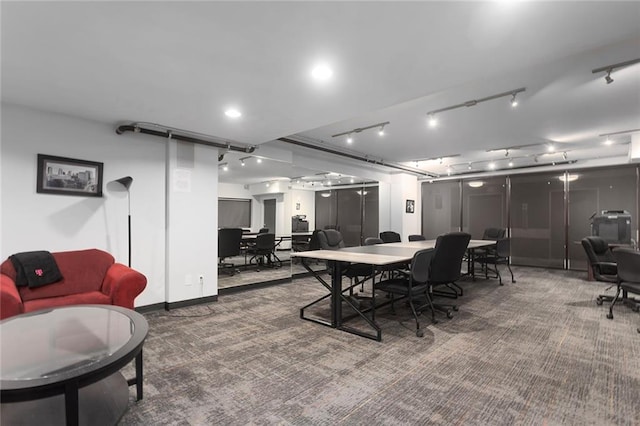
(82, 271)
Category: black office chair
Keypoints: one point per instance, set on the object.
(415, 237)
(415, 286)
(263, 252)
(390, 237)
(628, 261)
(446, 263)
(370, 241)
(602, 263)
(498, 256)
(494, 233)
(263, 231)
(228, 245)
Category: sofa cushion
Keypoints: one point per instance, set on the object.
(82, 271)
(92, 297)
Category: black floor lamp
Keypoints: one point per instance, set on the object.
(126, 182)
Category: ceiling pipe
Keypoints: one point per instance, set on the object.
(356, 157)
(177, 134)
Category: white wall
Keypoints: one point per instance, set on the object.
(307, 201)
(32, 221)
(192, 221)
(404, 187)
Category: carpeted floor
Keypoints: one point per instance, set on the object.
(536, 352)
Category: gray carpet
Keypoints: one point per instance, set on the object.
(536, 352)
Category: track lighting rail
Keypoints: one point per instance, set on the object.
(361, 129)
(183, 135)
(474, 102)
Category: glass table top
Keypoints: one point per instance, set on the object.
(56, 342)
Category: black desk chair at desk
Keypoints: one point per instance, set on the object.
(263, 252)
(628, 261)
(390, 237)
(228, 246)
(446, 264)
(498, 256)
(602, 263)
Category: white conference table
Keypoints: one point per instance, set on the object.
(374, 255)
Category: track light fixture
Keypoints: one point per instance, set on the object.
(610, 68)
(349, 133)
(564, 155)
(220, 157)
(474, 102)
(433, 121)
(514, 101)
(224, 166)
(242, 163)
(506, 152)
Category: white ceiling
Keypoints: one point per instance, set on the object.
(181, 64)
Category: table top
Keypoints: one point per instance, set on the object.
(55, 345)
(381, 254)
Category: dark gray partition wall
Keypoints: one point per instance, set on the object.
(353, 210)
(547, 214)
(537, 220)
(440, 208)
(592, 191)
(484, 204)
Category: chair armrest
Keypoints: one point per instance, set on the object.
(123, 284)
(10, 300)
(613, 264)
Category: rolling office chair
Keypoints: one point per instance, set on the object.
(445, 266)
(498, 256)
(264, 251)
(628, 261)
(228, 245)
(415, 237)
(263, 231)
(602, 263)
(412, 287)
(390, 237)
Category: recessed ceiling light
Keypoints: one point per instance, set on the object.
(476, 183)
(608, 141)
(259, 160)
(232, 113)
(321, 72)
(433, 121)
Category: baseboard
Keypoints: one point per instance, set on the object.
(252, 286)
(184, 303)
(150, 308)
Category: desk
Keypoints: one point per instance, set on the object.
(375, 255)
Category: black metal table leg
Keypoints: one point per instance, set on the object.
(71, 404)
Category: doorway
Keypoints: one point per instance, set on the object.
(269, 218)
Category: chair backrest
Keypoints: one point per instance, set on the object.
(265, 241)
(314, 240)
(494, 234)
(420, 265)
(416, 237)
(229, 242)
(597, 251)
(369, 241)
(503, 247)
(390, 237)
(263, 230)
(448, 253)
(628, 261)
(330, 239)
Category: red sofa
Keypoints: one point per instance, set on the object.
(89, 277)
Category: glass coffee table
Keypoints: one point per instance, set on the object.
(61, 366)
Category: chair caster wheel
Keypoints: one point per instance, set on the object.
(598, 301)
(610, 316)
(449, 314)
(419, 333)
(455, 308)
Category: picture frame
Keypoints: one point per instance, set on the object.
(69, 176)
(410, 206)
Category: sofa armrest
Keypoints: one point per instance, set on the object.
(10, 300)
(123, 284)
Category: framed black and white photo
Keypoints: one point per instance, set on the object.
(69, 176)
(411, 206)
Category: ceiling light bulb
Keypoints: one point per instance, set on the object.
(514, 101)
(232, 113)
(242, 163)
(440, 160)
(381, 131)
(433, 121)
(550, 148)
(225, 167)
(352, 180)
(259, 160)
(608, 141)
(469, 166)
(510, 163)
(321, 72)
(492, 165)
(349, 138)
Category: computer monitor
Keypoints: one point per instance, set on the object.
(613, 226)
